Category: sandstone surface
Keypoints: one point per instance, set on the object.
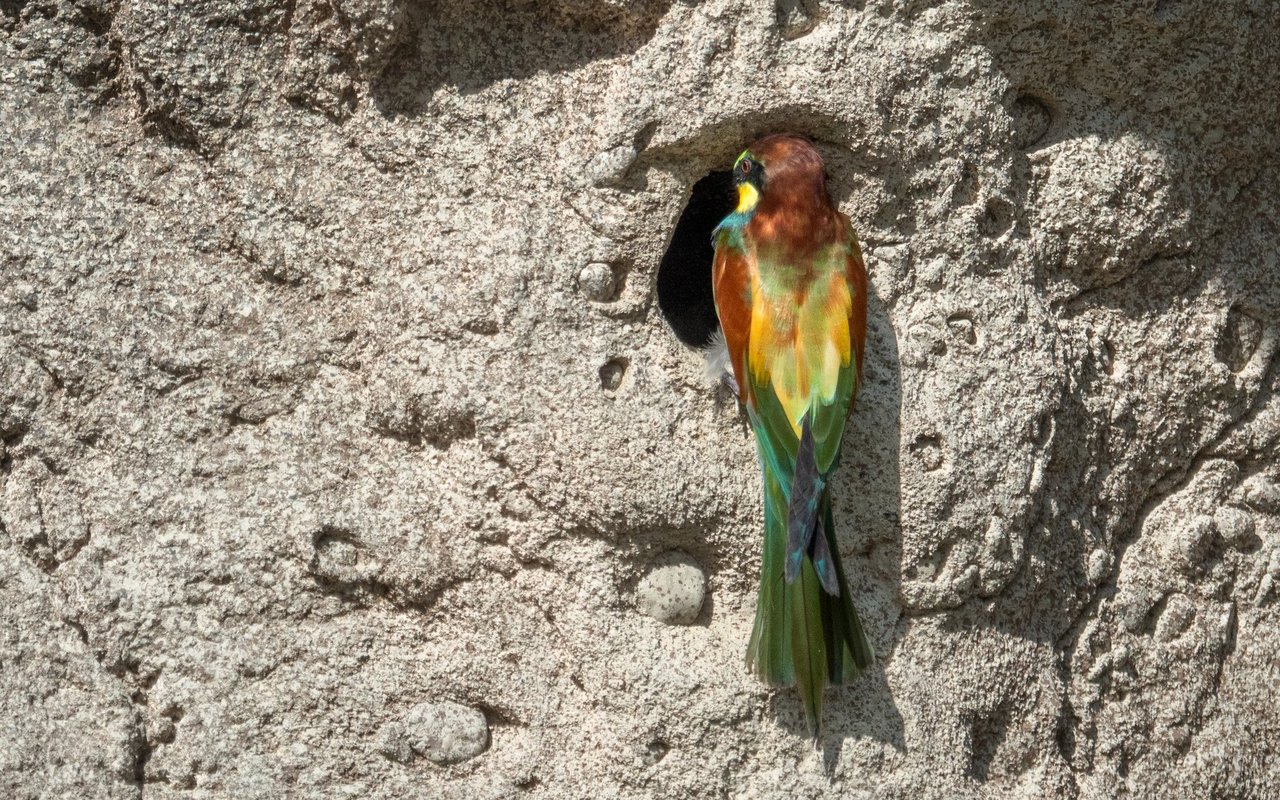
(340, 422)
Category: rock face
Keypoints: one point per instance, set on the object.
(334, 387)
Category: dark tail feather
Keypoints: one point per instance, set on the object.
(820, 555)
(807, 489)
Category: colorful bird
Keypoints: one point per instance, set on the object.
(791, 295)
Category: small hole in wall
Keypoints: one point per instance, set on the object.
(612, 373)
(797, 17)
(997, 218)
(1042, 429)
(960, 324)
(655, 751)
(928, 449)
(1032, 120)
(684, 276)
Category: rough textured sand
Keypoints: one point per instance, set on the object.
(344, 446)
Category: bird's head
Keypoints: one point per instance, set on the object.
(784, 168)
(748, 176)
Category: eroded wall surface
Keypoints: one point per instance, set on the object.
(346, 453)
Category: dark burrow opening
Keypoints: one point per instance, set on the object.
(684, 276)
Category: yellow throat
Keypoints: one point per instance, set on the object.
(748, 196)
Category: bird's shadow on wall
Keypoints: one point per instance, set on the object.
(866, 487)
(867, 508)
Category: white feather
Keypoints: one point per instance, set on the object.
(716, 358)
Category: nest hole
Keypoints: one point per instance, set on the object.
(684, 276)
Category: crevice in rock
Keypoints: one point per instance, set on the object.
(440, 438)
(182, 376)
(141, 750)
(496, 716)
(1064, 734)
(13, 8)
(1228, 647)
(997, 218)
(158, 119)
(613, 373)
(928, 449)
(73, 548)
(75, 625)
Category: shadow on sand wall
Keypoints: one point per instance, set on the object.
(468, 46)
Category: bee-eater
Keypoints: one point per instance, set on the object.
(791, 294)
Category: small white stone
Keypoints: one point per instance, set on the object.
(1235, 526)
(1098, 565)
(597, 282)
(446, 733)
(1179, 611)
(1264, 590)
(609, 167)
(1192, 542)
(394, 744)
(1261, 492)
(673, 590)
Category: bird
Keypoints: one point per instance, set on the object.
(790, 292)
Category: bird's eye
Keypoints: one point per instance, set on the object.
(746, 166)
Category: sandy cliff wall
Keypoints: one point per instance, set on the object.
(346, 451)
